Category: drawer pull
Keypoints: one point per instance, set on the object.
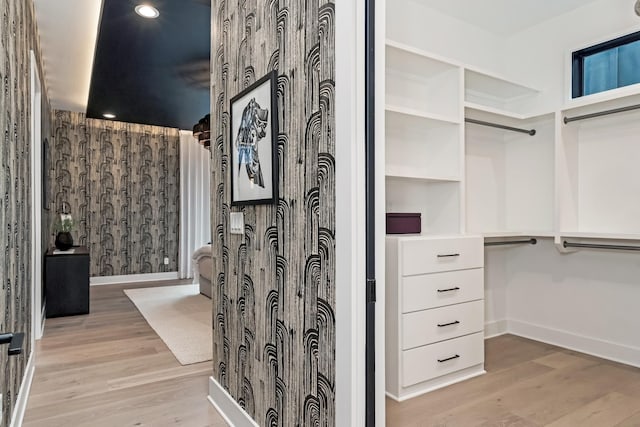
(442, 325)
(449, 290)
(448, 358)
(447, 255)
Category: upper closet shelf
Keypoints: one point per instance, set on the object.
(421, 114)
(422, 85)
(489, 90)
(602, 107)
(409, 172)
(397, 48)
(472, 106)
(600, 99)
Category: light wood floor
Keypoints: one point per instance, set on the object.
(530, 384)
(109, 368)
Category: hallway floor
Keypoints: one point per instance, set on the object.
(109, 368)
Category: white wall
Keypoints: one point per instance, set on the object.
(538, 55)
(495, 290)
(419, 26)
(587, 300)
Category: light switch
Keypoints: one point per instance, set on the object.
(237, 222)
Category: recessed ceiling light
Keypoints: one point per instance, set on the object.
(147, 11)
(109, 116)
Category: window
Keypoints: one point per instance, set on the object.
(606, 66)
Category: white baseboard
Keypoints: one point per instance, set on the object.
(593, 346)
(133, 278)
(437, 383)
(496, 328)
(228, 408)
(23, 395)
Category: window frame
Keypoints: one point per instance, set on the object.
(578, 56)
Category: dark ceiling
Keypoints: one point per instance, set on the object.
(152, 71)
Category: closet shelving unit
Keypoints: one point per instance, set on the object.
(423, 115)
(509, 175)
(493, 182)
(597, 168)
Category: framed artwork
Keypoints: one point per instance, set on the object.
(254, 151)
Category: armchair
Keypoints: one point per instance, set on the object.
(202, 260)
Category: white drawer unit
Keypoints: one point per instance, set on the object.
(431, 361)
(434, 312)
(430, 326)
(438, 289)
(421, 256)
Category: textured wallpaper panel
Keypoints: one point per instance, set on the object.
(17, 38)
(121, 183)
(274, 293)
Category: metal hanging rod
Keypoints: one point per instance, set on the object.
(499, 126)
(597, 246)
(601, 113)
(512, 242)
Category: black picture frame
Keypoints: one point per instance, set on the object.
(254, 143)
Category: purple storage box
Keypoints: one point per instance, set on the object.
(403, 223)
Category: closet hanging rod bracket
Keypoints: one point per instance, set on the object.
(530, 132)
(566, 244)
(601, 113)
(512, 242)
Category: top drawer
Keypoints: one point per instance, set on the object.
(433, 254)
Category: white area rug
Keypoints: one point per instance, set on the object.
(180, 316)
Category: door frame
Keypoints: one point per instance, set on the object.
(37, 317)
(350, 115)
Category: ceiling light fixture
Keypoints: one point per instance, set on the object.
(147, 11)
(637, 8)
(109, 116)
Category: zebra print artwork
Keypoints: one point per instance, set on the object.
(121, 184)
(274, 287)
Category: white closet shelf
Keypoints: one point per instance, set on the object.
(421, 114)
(603, 236)
(408, 172)
(558, 234)
(472, 106)
(603, 97)
(495, 92)
(498, 234)
(422, 53)
(496, 86)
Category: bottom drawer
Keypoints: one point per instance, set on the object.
(431, 361)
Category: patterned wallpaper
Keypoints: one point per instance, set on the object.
(121, 184)
(17, 38)
(274, 292)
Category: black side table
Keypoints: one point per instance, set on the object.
(66, 278)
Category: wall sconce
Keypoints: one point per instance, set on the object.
(202, 132)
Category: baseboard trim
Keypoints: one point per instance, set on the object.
(132, 278)
(592, 346)
(496, 328)
(228, 408)
(23, 395)
(437, 383)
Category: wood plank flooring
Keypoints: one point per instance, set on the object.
(109, 368)
(529, 383)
